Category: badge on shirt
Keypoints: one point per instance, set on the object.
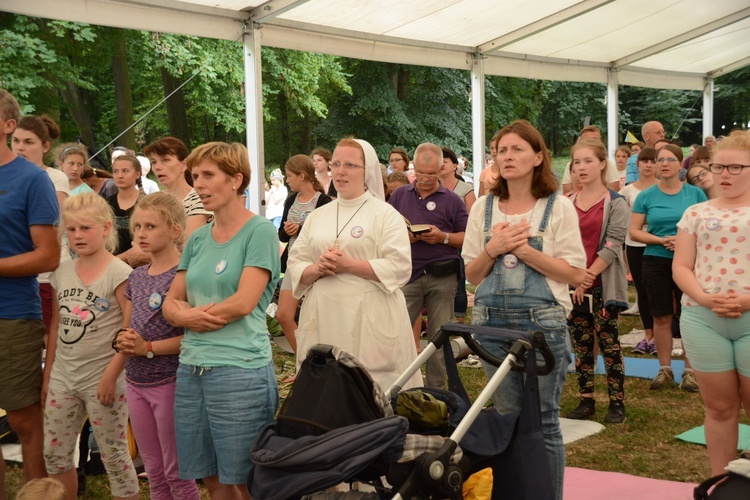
(154, 301)
(101, 303)
(510, 261)
(712, 224)
(431, 205)
(221, 266)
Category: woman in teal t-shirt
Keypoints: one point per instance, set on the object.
(661, 206)
(226, 390)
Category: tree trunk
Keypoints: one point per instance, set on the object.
(79, 105)
(176, 114)
(123, 97)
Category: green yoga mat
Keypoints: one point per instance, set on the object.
(697, 436)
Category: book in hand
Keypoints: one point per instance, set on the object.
(417, 228)
(586, 307)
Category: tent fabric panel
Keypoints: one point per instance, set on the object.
(620, 28)
(364, 49)
(706, 53)
(204, 22)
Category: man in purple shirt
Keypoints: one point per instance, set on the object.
(435, 252)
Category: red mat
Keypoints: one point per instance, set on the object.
(584, 484)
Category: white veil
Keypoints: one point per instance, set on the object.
(373, 175)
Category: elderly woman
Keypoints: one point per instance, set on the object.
(226, 390)
(350, 261)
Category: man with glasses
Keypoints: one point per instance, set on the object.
(434, 251)
(652, 132)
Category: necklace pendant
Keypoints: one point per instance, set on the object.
(336, 243)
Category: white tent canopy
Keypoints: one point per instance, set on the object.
(682, 44)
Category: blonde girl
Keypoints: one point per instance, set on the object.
(126, 171)
(83, 376)
(710, 268)
(72, 159)
(152, 345)
(603, 221)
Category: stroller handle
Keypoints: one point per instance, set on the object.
(535, 338)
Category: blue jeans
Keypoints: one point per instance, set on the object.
(509, 395)
(218, 412)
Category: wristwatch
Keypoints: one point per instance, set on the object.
(149, 350)
(447, 239)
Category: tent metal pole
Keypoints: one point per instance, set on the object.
(477, 116)
(708, 108)
(254, 117)
(613, 112)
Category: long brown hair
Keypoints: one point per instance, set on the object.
(543, 181)
(303, 165)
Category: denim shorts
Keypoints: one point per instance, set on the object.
(715, 344)
(218, 412)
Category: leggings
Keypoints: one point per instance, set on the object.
(582, 328)
(635, 261)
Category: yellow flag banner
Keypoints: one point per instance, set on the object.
(630, 138)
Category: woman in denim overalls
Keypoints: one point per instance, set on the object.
(522, 265)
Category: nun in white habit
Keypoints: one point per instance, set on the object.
(349, 262)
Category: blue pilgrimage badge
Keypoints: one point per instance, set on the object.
(221, 266)
(154, 301)
(101, 303)
(510, 261)
(712, 224)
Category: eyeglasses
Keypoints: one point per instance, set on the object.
(734, 169)
(426, 176)
(346, 165)
(395, 160)
(697, 178)
(670, 161)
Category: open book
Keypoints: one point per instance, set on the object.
(417, 228)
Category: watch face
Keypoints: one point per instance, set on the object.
(150, 354)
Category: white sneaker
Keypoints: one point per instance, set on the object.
(631, 311)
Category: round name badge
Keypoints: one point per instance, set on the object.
(154, 301)
(510, 261)
(221, 266)
(431, 205)
(101, 303)
(712, 224)
(357, 232)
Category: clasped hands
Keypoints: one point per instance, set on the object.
(507, 237)
(333, 261)
(727, 305)
(130, 343)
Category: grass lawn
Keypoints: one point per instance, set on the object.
(644, 445)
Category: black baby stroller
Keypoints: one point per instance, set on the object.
(337, 426)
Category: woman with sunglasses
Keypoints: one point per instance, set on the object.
(661, 207)
(710, 268)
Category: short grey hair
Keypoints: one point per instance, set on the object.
(428, 150)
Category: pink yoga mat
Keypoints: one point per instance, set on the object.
(584, 484)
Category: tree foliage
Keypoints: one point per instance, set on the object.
(66, 70)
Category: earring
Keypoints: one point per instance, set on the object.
(234, 188)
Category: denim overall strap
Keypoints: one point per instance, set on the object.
(547, 212)
(489, 203)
